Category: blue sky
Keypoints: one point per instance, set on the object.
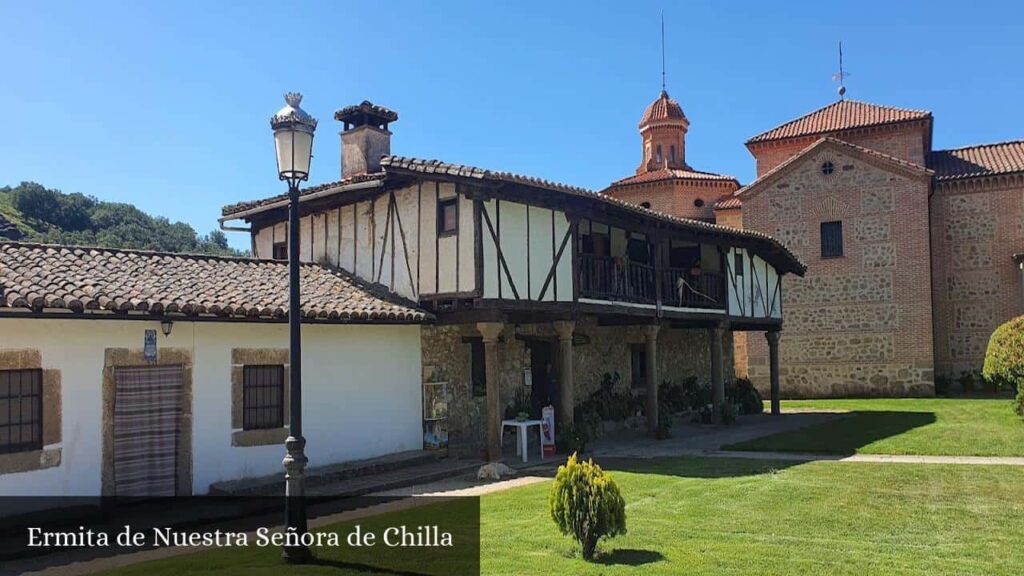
(166, 104)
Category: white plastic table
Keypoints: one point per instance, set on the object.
(522, 426)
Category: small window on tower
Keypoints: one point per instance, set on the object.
(658, 155)
(645, 205)
(672, 153)
(447, 216)
(827, 168)
(699, 202)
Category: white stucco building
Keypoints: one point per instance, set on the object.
(84, 411)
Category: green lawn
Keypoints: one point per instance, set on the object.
(933, 426)
(723, 516)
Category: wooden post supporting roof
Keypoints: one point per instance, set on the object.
(717, 376)
(566, 378)
(773, 368)
(491, 331)
(651, 352)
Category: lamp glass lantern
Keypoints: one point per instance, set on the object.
(293, 139)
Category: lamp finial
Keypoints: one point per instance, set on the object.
(293, 99)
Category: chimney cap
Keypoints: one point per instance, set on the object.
(366, 113)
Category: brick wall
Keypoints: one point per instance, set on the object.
(855, 325)
(677, 197)
(977, 225)
(904, 141)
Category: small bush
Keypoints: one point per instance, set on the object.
(1004, 359)
(742, 392)
(729, 413)
(612, 401)
(586, 504)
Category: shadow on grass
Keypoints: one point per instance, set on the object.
(697, 466)
(358, 568)
(843, 436)
(629, 557)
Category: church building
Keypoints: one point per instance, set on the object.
(913, 254)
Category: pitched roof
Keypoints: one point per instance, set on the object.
(672, 174)
(980, 160)
(8, 229)
(898, 163)
(841, 115)
(728, 203)
(787, 261)
(238, 207)
(663, 109)
(78, 278)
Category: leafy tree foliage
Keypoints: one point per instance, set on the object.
(57, 218)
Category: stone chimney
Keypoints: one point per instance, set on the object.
(364, 138)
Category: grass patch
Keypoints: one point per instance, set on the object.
(929, 426)
(740, 517)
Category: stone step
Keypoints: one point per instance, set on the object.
(396, 478)
(273, 484)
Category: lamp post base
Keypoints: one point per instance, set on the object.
(294, 500)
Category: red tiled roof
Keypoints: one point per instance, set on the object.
(841, 115)
(980, 160)
(664, 109)
(232, 209)
(673, 174)
(77, 278)
(727, 203)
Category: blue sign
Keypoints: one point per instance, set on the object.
(149, 349)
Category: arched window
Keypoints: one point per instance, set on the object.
(672, 153)
(658, 155)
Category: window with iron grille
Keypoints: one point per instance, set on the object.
(21, 410)
(262, 397)
(831, 239)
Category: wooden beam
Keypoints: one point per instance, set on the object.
(501, 256)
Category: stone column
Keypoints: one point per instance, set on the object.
(717, 372)
(566, 378)
(651, 353)
(490, 331)
(773, 368)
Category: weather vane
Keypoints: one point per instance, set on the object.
(842, 74)
(662, 50)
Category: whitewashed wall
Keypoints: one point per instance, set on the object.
(361, 394)
(397, 247)
(529, 238)
(755, 291)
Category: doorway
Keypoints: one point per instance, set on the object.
(147, 429)
(544, 391)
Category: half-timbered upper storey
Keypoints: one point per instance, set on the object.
(459, 238)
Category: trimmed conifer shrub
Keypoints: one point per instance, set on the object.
(586, 504)
(1004, 359)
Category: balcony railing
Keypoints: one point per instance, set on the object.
(618, 279)
(687, 290)
(607, 278)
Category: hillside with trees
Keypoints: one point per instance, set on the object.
(30, 212)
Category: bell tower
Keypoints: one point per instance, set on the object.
(663, 133)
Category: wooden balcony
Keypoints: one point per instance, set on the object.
(619, 280)
(684, 289)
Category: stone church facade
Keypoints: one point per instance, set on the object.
(913, 254)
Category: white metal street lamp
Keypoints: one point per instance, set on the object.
(293, 139)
